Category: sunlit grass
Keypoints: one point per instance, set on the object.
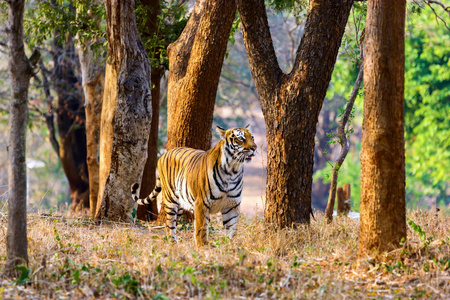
(77, 259)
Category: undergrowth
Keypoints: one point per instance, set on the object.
(77, 259)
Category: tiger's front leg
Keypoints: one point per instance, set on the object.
(230, 217)
(201, 222)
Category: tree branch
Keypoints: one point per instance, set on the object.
(256, 35)
(238, 82)
(445, 8)
(344, 144)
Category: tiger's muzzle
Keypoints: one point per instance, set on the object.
(250, 153)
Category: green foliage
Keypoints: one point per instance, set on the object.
(170, 23)
(295, 263)
(350, 172)
(129, 284)
(234, 28)
(24, 276)
(291, 7)
(340, 88)
(185, 225)
(86, 21)
(58, 239)
(423, 236)
(3, 12)
(427, 107)
(133, 215)
(63, 18)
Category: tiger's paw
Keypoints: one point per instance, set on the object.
(211, 245)
(204, 244)
(170, 240)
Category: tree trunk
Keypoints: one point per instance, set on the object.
(291, 102)
(71, 124)
(126, 113)
(149, 212)
(343, 194)
(93, 78)
(21, 70)
(383, 222)
(196, 59)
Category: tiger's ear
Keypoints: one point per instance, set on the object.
(221, 132)
(248, 127)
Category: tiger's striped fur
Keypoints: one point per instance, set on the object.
(205, 182)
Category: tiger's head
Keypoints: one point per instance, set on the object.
(239, 143)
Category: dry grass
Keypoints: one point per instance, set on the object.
(75, 259)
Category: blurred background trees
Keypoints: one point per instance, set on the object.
(427, 102)
(427, 109)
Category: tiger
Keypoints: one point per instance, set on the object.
(204, 182)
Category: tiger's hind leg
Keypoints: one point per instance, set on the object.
(172, 209)
(179, 213)
(230, 217)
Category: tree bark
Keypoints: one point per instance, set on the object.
(150, 212)
(383, 221)
(93, 78)
(291, 102)
(343, 194)
(21, 70)
(195, 60)
(126, 113)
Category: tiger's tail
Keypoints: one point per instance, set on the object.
(149, 198)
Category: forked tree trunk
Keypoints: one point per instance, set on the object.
(196, 59)
(383, 221)
(291, 102)
(21, 70)
(126, 113)
(93, 78)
